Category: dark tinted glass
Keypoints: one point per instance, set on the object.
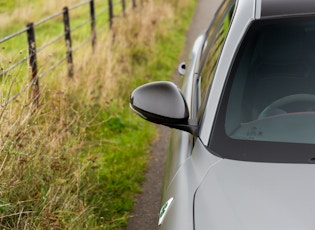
(268, 108)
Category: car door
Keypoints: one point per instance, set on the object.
(188, 158)
(199, 75)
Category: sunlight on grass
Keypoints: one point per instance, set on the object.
(77, 161)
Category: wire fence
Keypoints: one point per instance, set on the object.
(31, 59)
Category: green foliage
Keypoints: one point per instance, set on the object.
(117, 151)
(6, 5)
(78, 160)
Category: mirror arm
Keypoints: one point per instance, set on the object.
(191, 127)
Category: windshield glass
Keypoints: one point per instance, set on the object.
(269, 100)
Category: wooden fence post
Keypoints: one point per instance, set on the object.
(111, 13)
(33, 62)
(68, 40)
(93, 22)
(123, 4)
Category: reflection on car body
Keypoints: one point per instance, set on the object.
(244, 142)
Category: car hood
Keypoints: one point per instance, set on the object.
(245, 196)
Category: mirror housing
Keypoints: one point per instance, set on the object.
(163, 103)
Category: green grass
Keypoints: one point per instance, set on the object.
(78, 160)
(120, 146)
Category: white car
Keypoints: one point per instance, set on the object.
(242, 156)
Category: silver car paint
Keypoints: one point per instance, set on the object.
(184, 185)
(258, 9)
(245, 14)
(186, 170)
(224, 189)
(181, 142)
(247, 195)
(192, 69)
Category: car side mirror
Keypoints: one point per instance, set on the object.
(163, 103)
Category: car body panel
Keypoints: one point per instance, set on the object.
(183, 186)
(192, 70)
(181, 142)
(187, 167)
(243, 17)
(242, 195)
(271, 8)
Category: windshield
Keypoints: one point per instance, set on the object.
(269, 100)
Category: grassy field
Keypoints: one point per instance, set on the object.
(78, 160)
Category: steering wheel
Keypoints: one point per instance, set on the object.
(273, 108)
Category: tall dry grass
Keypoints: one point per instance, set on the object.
(59, 162)
(22, 11)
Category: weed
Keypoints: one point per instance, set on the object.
(77, 160)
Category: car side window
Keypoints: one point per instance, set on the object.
(213, 45)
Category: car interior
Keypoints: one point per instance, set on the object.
(273, 75)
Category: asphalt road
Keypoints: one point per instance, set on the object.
(147, 206)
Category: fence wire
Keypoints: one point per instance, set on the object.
(79, 5)
(47, 19)
(4, 72)
(80, 25)
(106, 25)
(50, 42)
(12, 36)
